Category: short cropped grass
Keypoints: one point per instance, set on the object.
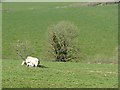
(59, 75)
(98, 42)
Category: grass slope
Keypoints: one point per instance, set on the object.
(97, 29)
(29, 21)
(59, 75)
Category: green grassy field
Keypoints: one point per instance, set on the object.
(97, 26)
(98, 39)
(59, 75)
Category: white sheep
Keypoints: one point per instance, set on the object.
(31, 61)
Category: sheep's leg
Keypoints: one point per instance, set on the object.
(36, 64)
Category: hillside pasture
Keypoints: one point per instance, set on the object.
(98, 42)
(97, 28)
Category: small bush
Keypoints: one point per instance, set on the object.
(23, 49)
(63, 41)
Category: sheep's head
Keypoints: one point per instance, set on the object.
(23, 63)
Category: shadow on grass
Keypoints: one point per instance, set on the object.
(42, 66)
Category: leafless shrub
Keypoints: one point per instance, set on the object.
(23, 49)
